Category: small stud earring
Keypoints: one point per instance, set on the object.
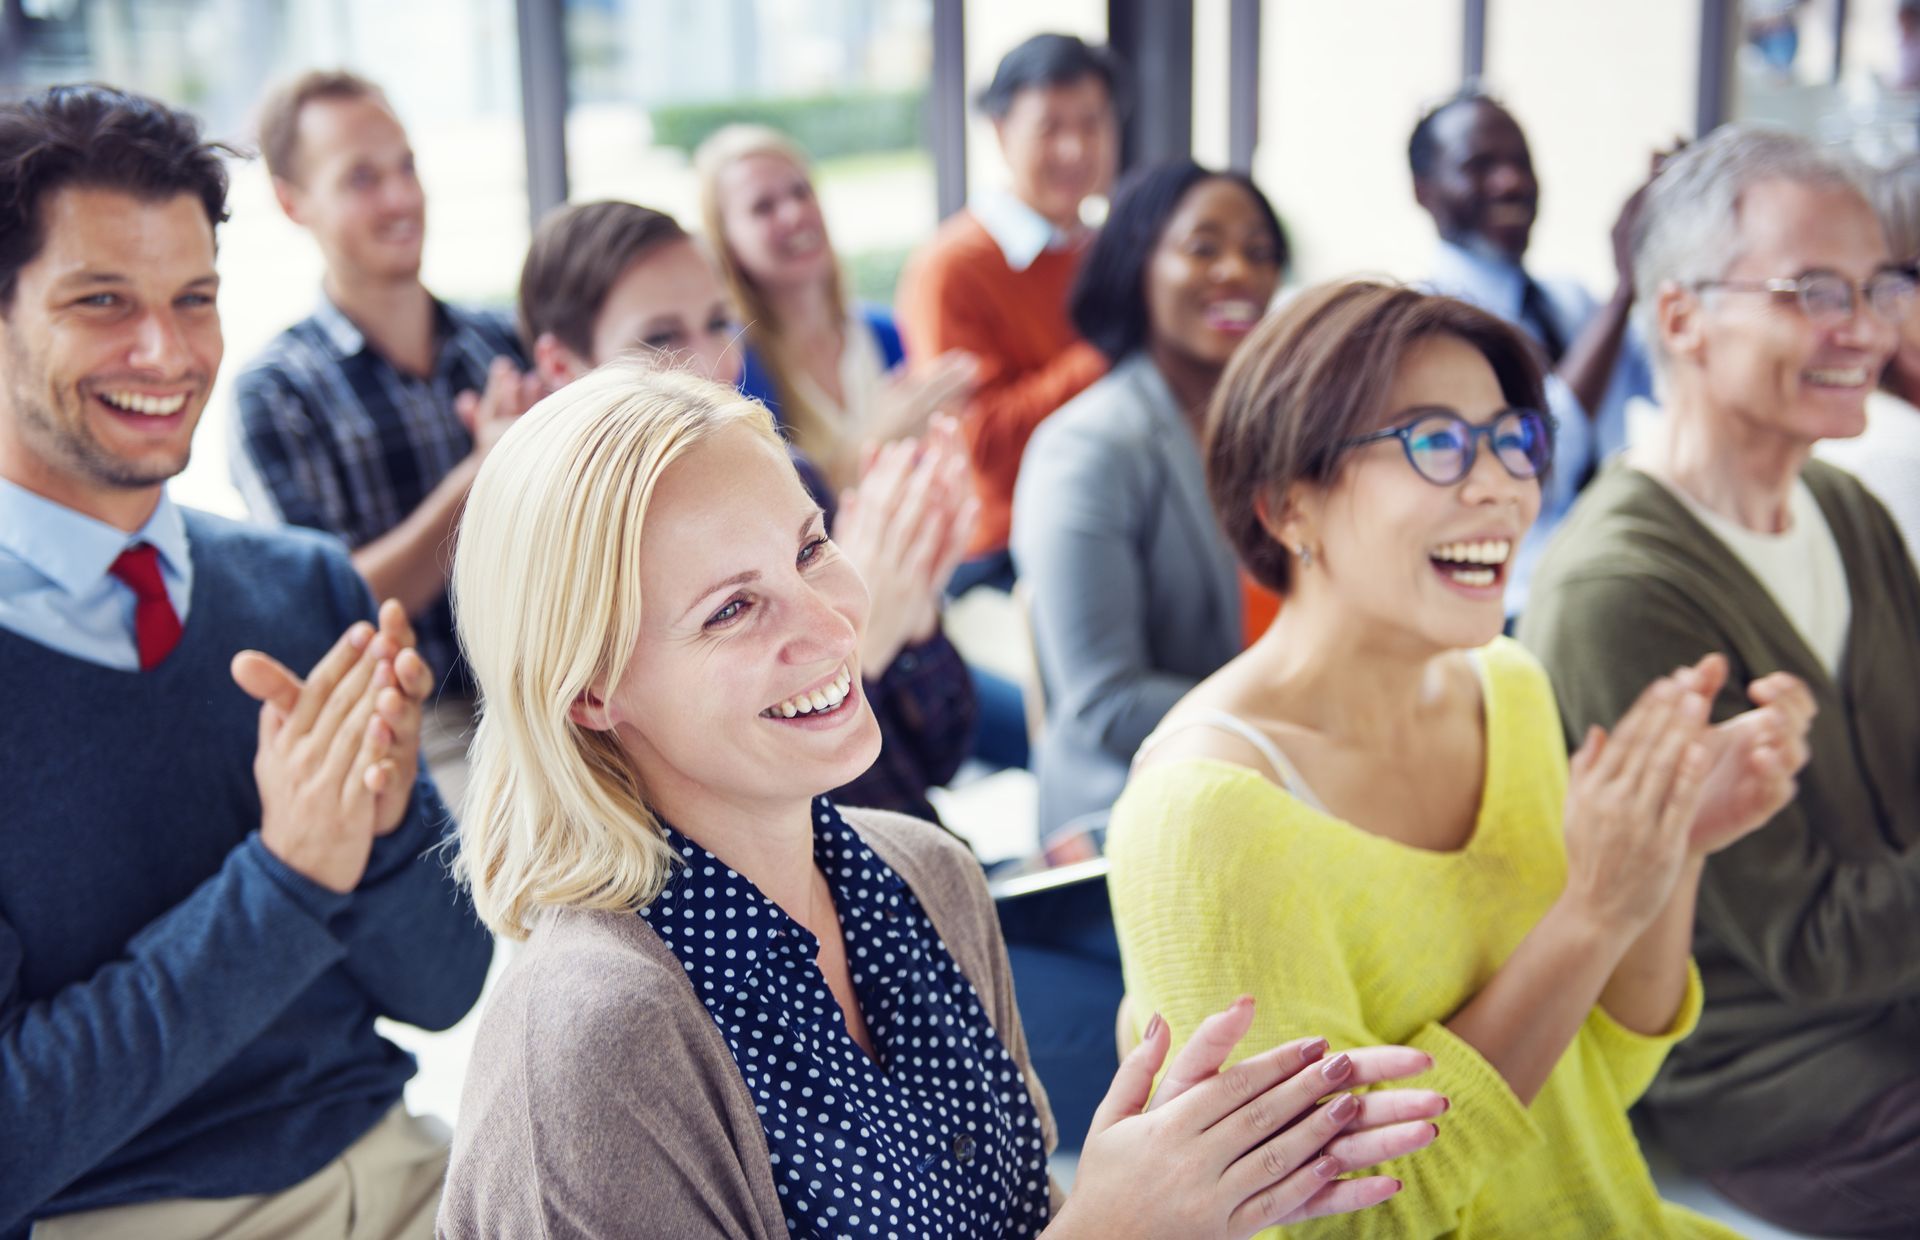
(1306, 556)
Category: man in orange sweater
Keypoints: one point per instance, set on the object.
(994, 279)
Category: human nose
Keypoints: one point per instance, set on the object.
(821, 629)
(1507, 178)
(160, 344)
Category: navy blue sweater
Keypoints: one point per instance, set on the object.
(181, 1015)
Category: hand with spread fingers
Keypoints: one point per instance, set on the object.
(324, 756)
(913, 395)
(1754, 758)
(1227, 1153)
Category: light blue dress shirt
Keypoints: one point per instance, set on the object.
(54, 584)
(1581, 443)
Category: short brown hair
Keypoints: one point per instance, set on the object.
(280, 112)
(1314, 375)
(99, 138)
(578, 253)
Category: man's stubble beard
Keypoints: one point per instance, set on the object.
(70, 445)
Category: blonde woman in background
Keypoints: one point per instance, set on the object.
(832, 371)
(741, 1011)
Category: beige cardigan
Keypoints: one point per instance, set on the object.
(602, 1101)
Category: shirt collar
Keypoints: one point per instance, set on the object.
(1022, 233)
(74, 551)
(347, 339)
(749, 928)
(1495, 284)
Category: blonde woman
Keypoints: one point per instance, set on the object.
(832, 372)
(740, 1011)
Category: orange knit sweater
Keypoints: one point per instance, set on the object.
(958, 293)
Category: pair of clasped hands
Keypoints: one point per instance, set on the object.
(1216, 1153)
(338, 751)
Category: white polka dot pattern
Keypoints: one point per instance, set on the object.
(939, 1138)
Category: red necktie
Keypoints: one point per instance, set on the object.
(156, 629)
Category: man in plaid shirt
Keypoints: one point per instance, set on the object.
(370, 418)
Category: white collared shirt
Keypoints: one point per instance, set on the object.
(1022, 233)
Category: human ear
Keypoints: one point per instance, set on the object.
(287, 194)
(555, 363)
(1293, 522)
(1681, 320)
(591, 712)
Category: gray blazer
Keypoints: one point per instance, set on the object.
(1134, 592)
(601, 1101)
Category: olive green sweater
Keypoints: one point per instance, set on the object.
(1808, 935)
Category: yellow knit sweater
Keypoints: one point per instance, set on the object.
(1223, 884)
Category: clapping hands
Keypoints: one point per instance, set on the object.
(1229, 1153)
(905, 526)
(338, 752)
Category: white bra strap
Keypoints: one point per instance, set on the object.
(1209, 717)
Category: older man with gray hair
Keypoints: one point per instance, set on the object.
(1772, 303)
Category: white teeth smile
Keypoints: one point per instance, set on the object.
(1238, 312)
(817, 700)
(1488, 551)
(1472, 563)
(1853, 377)
(151, 406)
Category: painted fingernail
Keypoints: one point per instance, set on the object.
(1436, 1133)
(1344, 1108)
(1153, 1028)
(1313, 1050)
(1242, 1003)
(1446, 1104)
(1337, 1069)
(1327, 1168)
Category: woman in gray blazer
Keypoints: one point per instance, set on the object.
(1133, 592)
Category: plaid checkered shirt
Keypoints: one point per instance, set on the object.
(335, 437)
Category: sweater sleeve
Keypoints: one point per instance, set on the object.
(1819, 928)
(927, 694)
(1634, 1059)
(106, 1057)
(414, 943)
(1216, 895)
(1076, 544)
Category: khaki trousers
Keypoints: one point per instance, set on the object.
(386, 1186)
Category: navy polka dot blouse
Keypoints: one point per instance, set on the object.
(939, 1138)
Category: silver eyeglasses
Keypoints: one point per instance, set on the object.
(1828, 296)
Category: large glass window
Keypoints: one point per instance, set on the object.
(847, 79)
(1341, 85)
(1848, 75)
(451, 70)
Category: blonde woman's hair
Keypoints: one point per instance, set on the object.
(810, 429)
(548, 606)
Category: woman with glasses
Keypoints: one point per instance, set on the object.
(1369, 822)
